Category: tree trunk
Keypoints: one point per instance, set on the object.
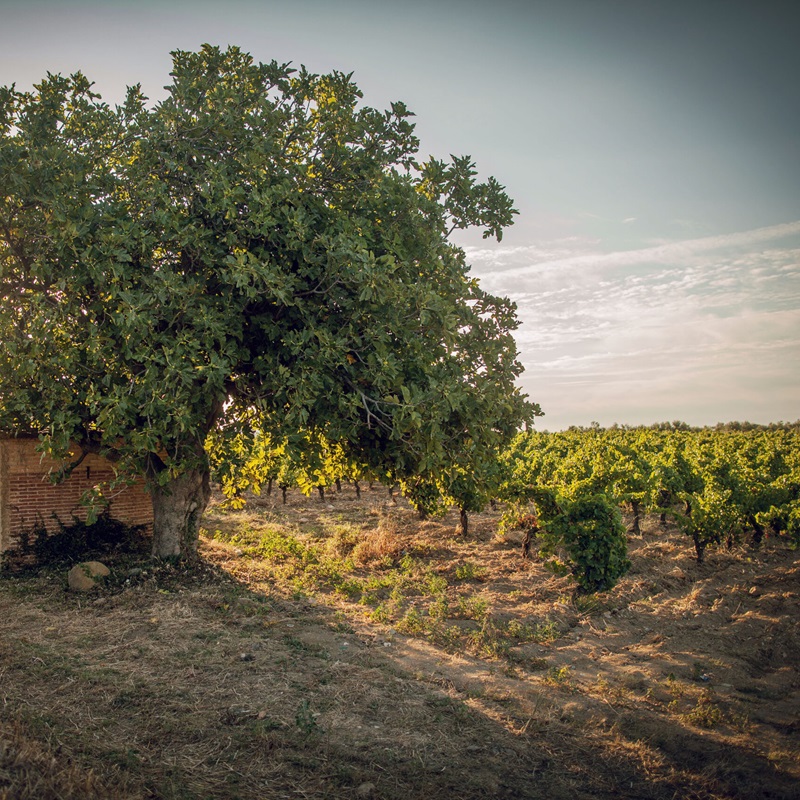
(178, 507)
(321, 491)
(357, 488)
(699, 542)
(636, 507)
(758, 531)
(531, 528)
(464, 518)
(527, 542)
(699, 547)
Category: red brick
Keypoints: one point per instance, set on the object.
(28, 499)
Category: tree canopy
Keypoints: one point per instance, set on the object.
(258, 251)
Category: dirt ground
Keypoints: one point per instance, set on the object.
(225, 681)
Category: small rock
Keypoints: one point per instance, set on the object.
(84, 576)
(246, 657)
(365, 790)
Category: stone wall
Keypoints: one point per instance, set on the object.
(29, 500)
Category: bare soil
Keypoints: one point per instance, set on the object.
(223, 681)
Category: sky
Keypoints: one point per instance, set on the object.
(652, 148)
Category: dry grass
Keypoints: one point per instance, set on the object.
(266, 671)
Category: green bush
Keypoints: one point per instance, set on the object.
(589, 532)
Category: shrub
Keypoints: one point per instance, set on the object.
(80, 541)
(589, 532)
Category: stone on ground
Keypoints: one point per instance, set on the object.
(83, 577)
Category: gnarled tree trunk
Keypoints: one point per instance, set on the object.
(178, 507)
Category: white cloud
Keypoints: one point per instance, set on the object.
(574, 252)
(702, 330)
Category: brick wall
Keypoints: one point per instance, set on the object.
(29, 500)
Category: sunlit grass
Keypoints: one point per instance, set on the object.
(368, 570)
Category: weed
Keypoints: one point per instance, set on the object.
(489, 640)
(412, 623)
(546, 632)
(277, 545)
(305, 719)
(673, 687)
(377, 588)
(610, 690)
(407, 564)
(439, 608)
(473, 608)
(602, 685)
(740, 722)
(450, 635)
(494, 647)
(469, 571)
(436, 584)
(541, 633)
(558, 676)
(705, 714)
(381, 613)
(351, 588)
(586, 604)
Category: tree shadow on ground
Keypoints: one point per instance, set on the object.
(190, 683)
